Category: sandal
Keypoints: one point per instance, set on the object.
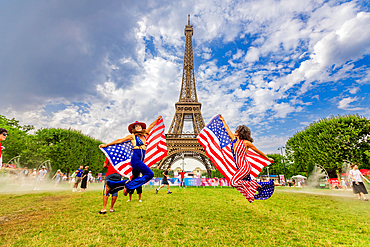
(112, 210)
(102, 212)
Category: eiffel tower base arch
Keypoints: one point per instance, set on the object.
(189, 147)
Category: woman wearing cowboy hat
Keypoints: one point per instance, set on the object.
(138, 135)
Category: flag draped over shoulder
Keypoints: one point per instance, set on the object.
(217, 145)
(119, 155)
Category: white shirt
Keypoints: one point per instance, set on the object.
(356, 174)
(42, 173)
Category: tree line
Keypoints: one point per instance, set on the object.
(66, 149)
(328, 142)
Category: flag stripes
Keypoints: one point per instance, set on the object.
(157, 147)
(120, 155)
(216, 143)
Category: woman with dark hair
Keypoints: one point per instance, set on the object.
(138, 135)
(241, 141)
(3, 135)
(84, 179)
(357, 183)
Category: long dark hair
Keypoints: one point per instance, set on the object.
(3, 131)
(244, 133)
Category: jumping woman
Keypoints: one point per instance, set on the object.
(138, 135)
(241, 141)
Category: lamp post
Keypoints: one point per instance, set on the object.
(183, 161)
(281, 150)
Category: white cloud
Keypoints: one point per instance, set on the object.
(353, 90)
(252, 55)
(349, 42)
(239, 54)
(344, 104)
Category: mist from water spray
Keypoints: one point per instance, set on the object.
(11, 183)
(346, 167)
(316, 177)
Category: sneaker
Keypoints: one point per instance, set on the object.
(128, 201)
(140, 201)
(169, 192)
(156, 191)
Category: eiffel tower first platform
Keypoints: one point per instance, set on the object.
(182, 143)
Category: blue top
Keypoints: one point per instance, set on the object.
(79, 172)
(139, 142)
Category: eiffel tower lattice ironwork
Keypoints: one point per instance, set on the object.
(181, 142)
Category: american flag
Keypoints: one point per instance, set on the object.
(266, 191)
(119, 155)
(217, 145)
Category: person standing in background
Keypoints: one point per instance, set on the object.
(33, 175)
(89, 179)
(58, 175)
(3, 136)
(182, 179)
(78, 178)
(40, 177)
(72, 180)
(111, 175)
(357, 184)
(24, 175)
(84, 179)
(165, 181)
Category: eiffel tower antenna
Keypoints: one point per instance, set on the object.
(188, 91)
(181, 141)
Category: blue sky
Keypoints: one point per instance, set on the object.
(97, 66)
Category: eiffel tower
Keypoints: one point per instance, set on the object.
(181, 142)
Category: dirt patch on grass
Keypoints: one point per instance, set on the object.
(55, 198)
(18, 218)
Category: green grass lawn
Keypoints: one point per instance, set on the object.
(188, 217)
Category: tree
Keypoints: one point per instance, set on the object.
(66, 149)
(18, 139)
(329, 142)
(69, 149)
(216, 174)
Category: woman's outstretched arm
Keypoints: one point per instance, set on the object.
(152, 125)
(248, 144)
(118, 141)
(227, 127)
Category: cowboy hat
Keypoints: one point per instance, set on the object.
(131, 126)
